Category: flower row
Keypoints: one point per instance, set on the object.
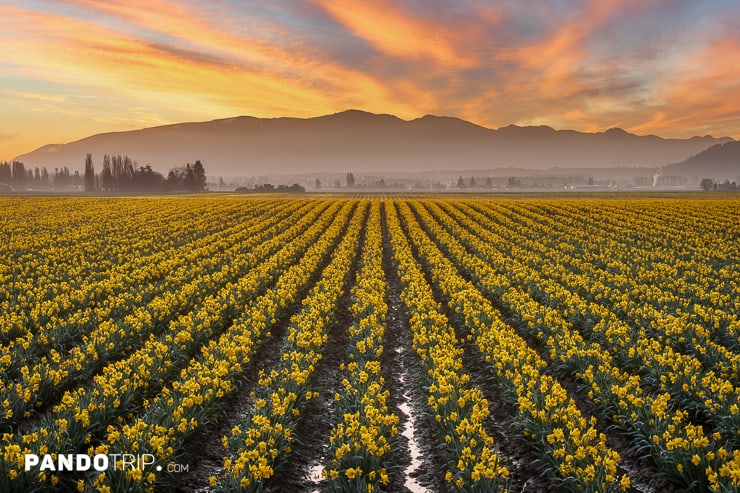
(42, 382)
(680, 449)
(122, 386)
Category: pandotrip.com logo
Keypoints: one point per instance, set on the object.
(98, 462)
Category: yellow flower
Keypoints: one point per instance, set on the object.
(625, 482)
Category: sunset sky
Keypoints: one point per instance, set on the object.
(70, 69)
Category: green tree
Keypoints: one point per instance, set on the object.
(188, 180)
(6, 173)
(199, 177)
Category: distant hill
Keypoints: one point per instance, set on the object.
(721, 161)
(359, 141)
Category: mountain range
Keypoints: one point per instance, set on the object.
(359, 141)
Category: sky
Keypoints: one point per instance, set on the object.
(70, 69)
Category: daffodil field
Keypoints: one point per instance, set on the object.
(369, 343)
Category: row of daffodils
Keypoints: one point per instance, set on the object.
(572, 452)
(175, 416)
(116, 328)
(123, 386)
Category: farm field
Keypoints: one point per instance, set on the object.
(376, 343)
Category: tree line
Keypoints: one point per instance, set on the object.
(709, 184)
(119, 173)
(16, 175)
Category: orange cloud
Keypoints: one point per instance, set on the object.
(292, 63)
(191, 27)
(394, 32)
(33, 96)
(703, 96)
(553, 67)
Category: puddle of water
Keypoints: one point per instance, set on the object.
(414, 451)
(314, 475)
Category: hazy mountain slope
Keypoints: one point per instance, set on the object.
(360, 141)
(720, 161)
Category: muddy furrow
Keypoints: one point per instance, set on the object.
(517, 457)
(398, 370)
(643, 479)
(421, 464)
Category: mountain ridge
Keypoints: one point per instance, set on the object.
(719, 161)
(356, 140)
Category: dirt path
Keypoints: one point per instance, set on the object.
(205, 456)
(509, 445)
(514, 453)
(303, 472)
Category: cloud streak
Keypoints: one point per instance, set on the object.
(167, 69)
(570, 64)
(704, 94)
(395, 32)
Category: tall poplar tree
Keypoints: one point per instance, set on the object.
(89, 174)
